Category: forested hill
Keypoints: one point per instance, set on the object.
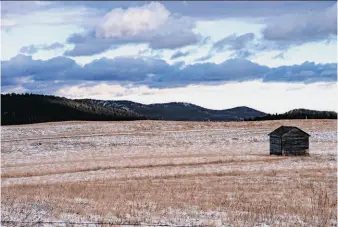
(181, 111)
(298, 114)
(31, 108)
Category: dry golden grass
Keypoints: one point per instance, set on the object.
(139, 200)
(204, 182)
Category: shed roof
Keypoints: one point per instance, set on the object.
(283, 130)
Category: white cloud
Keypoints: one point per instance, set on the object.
(14, 89)
(132, 21)
(255, 94)
(101, 90)
(150, 24)
(7, 24)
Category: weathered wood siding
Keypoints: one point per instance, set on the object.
(295, 145)
(289, 140)
(275, 145)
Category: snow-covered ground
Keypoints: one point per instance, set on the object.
(162, 172)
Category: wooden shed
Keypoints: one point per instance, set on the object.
(289, 140)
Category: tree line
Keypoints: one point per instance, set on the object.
(34, 108)
(298, 114)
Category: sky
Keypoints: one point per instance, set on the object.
(273, 56)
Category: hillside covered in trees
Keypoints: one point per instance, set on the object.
(181, 111)
(32, 108)
(298, 114)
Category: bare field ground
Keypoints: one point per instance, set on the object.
(169, 173)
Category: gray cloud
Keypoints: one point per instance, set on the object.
(151, 52)
(204, 58)
(88, 44)
(283, 32)
(296, 23)
(234, 42)
(245, 9)
(31, 49)
(219, 9)
(61, 71)
(23, 13)
(240, 45)
(230, 70)
(306, 72)
(23, 7)
(242, 54)
(125, 69)
(281, 55)
(179, 64)
(179, 54)
(24, 67)
(160, 30)
(297, 29)
(88, 48)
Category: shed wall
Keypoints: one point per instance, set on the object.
(295, 145)
(275, 145)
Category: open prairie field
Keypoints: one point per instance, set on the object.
(166, 173)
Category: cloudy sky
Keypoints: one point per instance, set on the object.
(272, 56)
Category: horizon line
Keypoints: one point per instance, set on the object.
(158, 103)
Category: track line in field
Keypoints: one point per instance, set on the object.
(123, 133)
(123, 167)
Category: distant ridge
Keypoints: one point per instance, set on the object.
(32, 108)
(181, 111)
(298, 114)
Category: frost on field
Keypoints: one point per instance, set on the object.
(175, 173)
